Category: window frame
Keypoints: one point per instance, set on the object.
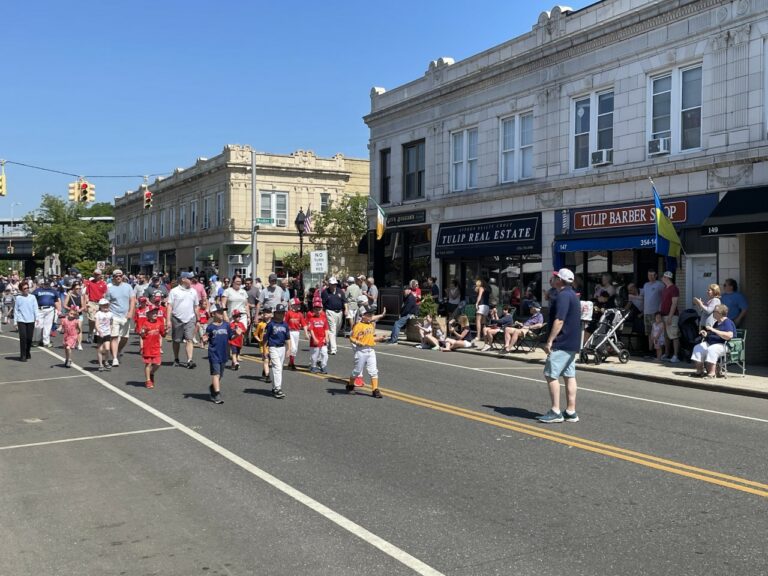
(593, 131)
(385, 177)
(420, 146)
(193, 216)
(467, 162)
(274, 196)
(206, 221)
(325, 202)
(219, 209)
(182, 219)
(676, 107)
(517, 149)
(172, 221)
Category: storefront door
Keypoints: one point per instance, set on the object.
(702, 271)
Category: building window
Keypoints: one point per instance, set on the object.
(182, 219)
(274, 205)
(517, 147)
(154, 225)
(206, 213)
(413, 170)
(386, 172)
(325, 202)
(171, 221)
(193, 216)
(464, 160)
(220, 209)
(592, 132)
(162, 223)
(676, 108)
(146, 228)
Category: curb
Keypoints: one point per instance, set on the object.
(693, 383)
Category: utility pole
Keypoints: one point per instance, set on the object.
(254, 226)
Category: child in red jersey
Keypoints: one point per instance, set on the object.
(316, 330)
(152, 332)
(202, 323)
(296, 321)
(236, 343)
(139, 316)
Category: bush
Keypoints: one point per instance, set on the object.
(428, 306)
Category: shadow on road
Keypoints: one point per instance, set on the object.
(136, 383)
(514, 412)
(258, 391)
(196, 396)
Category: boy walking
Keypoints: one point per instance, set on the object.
(363, 340)
(317, 333)
(217, 334)
(152, 333)
(236, 343)
(276, 336)
(296, 321)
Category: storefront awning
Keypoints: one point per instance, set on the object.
(282, 251)
(490, 237)
(603, 243)
(237, 248)
(739, 212)
(210, 252)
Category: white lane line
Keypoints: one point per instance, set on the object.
(42, 379)
(390, 549)
(581, 389)
(82, 438)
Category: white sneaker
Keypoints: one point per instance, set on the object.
(79, 346)
(115, 362)
(674, 360)
(485, 348)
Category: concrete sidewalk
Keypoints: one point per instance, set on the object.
(755, 383)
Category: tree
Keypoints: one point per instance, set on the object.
(341, 227)
(56, 228)
(294, 265)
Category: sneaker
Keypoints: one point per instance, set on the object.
(323, 370)
(312, 369)
(190, 365)
(485, 348)
(664, 358)
(570, 416)
(350, 388)
(217, 399)
(435, 347)
(177, 364)
(333, 353)
(108, 367)
(551, 417)
(149, 384)
(115, 362)
(419, 346)
(102, 368)
(674, 360)
(68, 364)
(359, 382)
(377, 393)
(269, 379)
(278, 393)
(49, 345)
(79, 346)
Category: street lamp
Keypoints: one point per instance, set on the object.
(299, 222)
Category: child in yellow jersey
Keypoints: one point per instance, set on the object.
(363, 339)
(258, 335)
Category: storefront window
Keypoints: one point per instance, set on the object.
(597, 265)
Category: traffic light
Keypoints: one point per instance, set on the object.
(10, 249)
(3, 190)
(83, 187)
(147, 199)
(91, 192)
(73, 191)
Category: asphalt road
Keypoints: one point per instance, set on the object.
(448, 473)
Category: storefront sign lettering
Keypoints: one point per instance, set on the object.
(418, 217)
(627, 216)
(489, 236)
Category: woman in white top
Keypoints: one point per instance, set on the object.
(236, 298)
(707, 309)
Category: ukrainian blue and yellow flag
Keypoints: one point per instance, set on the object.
(667, 241)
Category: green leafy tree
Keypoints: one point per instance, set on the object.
(340, 228)
(295, 265)
(56, 228)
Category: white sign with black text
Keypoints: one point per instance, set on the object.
(318, 261)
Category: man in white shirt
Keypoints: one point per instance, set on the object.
(181, 318)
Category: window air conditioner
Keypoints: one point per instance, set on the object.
(235, 259)
(281, 222)
(659, 146)
(602, 157)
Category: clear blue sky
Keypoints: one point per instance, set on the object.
(144, 86)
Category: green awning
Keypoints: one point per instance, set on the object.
(281, 251)
(237, 248)
(210, 252)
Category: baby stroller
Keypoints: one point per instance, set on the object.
(604, 341)
(688, 323)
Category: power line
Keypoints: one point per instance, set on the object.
(82, 175)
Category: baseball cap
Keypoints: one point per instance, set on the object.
(280, 308)
(97, 271)
(332, 280)
(187, 275)
(564, 274)
(534, 305)
(351, 279)
(117, 272)
(668, 274)
(295, 302)
(103, 302)
(152, 310)
(236, 313)
(273, 277)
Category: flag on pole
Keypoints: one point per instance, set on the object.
(381, 219)
(308, 220)
(667, 241)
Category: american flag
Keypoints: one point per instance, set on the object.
(308, 221)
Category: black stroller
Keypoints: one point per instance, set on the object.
(604, 341)
(688, 323)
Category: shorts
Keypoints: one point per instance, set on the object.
(182, 331)
(484, 310)
(152, 360)
(217, 368)
(560, 363)
(673, 330)
(465, 343)
(235, 349)
(351, 312)
(101, 339)
(121, 328)
(648, 320)
(93, 307)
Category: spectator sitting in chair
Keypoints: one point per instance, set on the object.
(707, 353)
(514, 333)
(496, 325)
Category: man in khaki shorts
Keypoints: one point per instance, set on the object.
(181, 318)
(669, 298)
(122, 303)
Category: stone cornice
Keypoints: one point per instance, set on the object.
(552, 54)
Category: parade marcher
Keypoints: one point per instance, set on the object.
(562, 347)
(49, 308)
(140, 286)
(139, 316)
(182, 319)
(152, 334)
(351, 295)
(363, 339)
(334, 305)
(278, 339)
(25, 315)
(235, 298)
(316, 329)
(372, 293)
(71, 328)
(296, 322)
(76, 297)
(8, 299)
(95, 290)
(236, 342)
(121, 304)
(103, 335)
(258, 335)
(271, 296)
(217, 335)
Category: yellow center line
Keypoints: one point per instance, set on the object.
(647, 460)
